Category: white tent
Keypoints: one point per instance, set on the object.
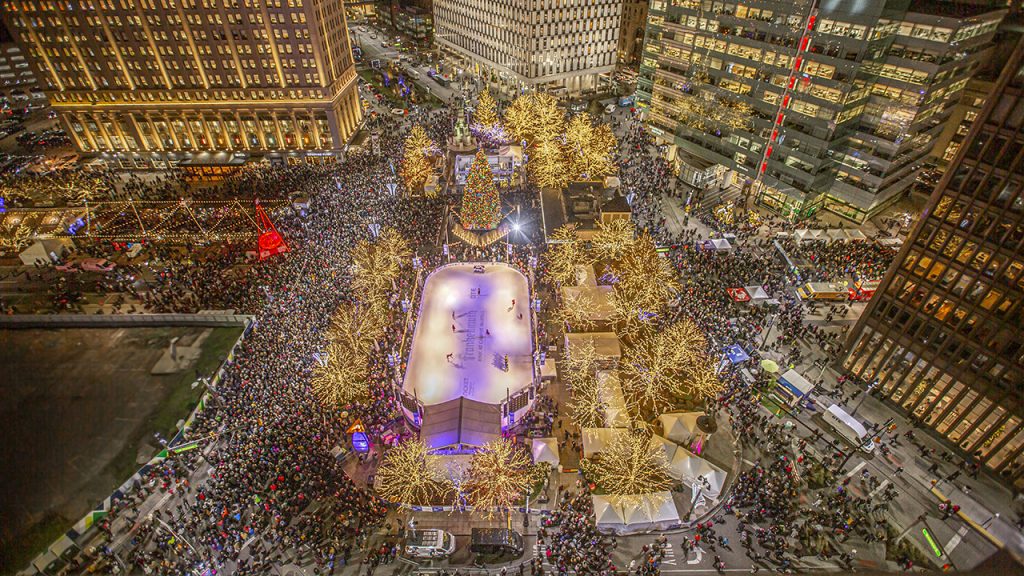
(665, 446)
(649, 512)
(615, 414)
(757, 294)
(680, 427)
(836, 235)
(608, 514)
(545, 450)
(855, 235)
(41, 250)
(689, 468)
(596, 439)
(720, 245)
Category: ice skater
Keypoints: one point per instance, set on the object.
(506, 362)
(487, 331)
(453, 328)
(448, 357)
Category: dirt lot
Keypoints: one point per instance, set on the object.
(78, 411)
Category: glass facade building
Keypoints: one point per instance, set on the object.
(810, 105)
(558, 46)
(944, 334)
(152, 80)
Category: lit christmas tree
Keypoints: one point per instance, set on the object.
(417, 162)
(481, 205)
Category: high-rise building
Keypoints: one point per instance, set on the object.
(559, 46)
(810, 104)
(942, 337)
(194, 80)
(631, 34)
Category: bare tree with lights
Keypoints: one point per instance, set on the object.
(409, 475)
(500, 474)
(588, 407)
(613, 238)
(645, 284)
(656, 365)
(701, 381)
(589, 149)
(630, 465)
(565, 254)
(417, 160)
(342, 379)
(576, 311)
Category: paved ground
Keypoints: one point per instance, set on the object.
(78, 410)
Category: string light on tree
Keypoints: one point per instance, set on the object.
(630, 465)
(409, 475)
(500, 473)
(481, 203)
(417, 161)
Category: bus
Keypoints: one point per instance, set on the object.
(823, 291)
(863, 290)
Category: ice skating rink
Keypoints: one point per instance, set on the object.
(486, 328)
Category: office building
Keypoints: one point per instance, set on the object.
(560, 46)
(631, 33)
(810, 105)
(942, 336)
(149, 82)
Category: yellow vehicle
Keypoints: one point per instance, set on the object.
(823, 291)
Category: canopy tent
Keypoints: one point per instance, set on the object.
(548, 370)
(890, 242)
(545, 450)
(689, 468)
(736, 354)
(665, 446)
(460, 422)
(608, 514)
(606, 344)
(595, 440)
(47, 250)
(808, 235)
(855, 235)
(738, 294)
(649, 512)
(615, 413)
(769, 365)
(836, 235)
(757, 293)
(718, 245)
(680, 427)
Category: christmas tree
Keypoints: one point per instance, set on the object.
(416, 162)
(481, 206)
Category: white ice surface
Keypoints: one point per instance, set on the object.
(481, 303)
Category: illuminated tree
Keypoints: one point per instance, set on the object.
(547, 165)
(580, 361)
(342, 379)
(486, 113)
(378, 264)
(588, 407)
(357, 327)
(409, 475)
(701, 381)
(417, 162)
(577, 311)
(481, 203)
(645, 283)
(630, 465)
(500, 474)
(15, 236)
(534, 118)
(655, 365)
(565, 254)
(613, 238)
(589, 149)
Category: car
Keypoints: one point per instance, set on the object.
(398, 111)
(609, 109)
(495, 541)
(384, 44)
(97, 264)
(432, 543)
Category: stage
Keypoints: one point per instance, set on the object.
(447, 365)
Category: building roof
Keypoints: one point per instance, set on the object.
(616, 204)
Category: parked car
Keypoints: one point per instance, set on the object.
(431, 543)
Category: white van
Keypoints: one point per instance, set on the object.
(848, 427)
(430, 543)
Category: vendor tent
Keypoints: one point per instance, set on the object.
(595, 440)
(808, 235)
(608, 514)
(689, 468)
(855, 235)
(43, 251)
(836, 235)
(663, 446)
(718, 245)
(615, 413)
(680, 427)
(650, 512)
(757, 294)
(545, 450)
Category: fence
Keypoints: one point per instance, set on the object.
(24, 321)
